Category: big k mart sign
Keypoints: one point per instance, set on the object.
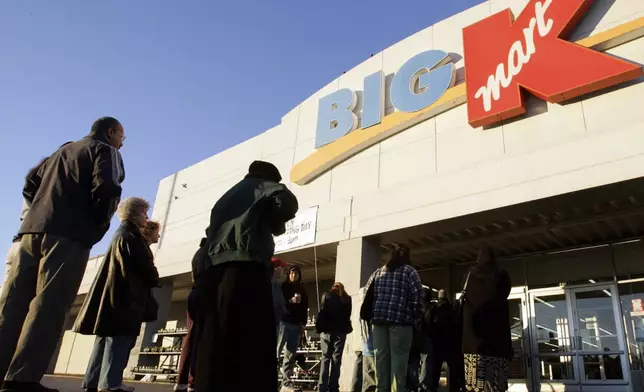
(504, 58)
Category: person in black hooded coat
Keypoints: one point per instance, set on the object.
(236, 312)
(487, 343)
(293, 323)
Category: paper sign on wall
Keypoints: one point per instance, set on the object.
(300, 231)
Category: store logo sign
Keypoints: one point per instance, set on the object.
(419, 83)
(502, 57)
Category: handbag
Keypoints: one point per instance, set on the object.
(366, 309)
(151, 311)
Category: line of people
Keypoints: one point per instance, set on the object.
(407, 339)
(71, 197)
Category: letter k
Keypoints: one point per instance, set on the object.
(551, 68)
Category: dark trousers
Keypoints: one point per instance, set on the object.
(35, 302)
(237, 343)
(455, 365)
(188, 360)
(332, 348)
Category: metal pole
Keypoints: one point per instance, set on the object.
(317, 280)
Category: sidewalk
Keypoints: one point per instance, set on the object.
(73, 384)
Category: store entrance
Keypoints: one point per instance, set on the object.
(577, 339)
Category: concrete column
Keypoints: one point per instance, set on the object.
(357, 259)
(163, 295)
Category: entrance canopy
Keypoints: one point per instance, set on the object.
(595, 216)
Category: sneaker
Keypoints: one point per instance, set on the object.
(17, 386)
(180, 387)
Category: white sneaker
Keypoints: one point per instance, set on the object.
(180, 387)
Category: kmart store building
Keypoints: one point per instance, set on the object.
(540, 156)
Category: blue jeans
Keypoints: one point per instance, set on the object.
(426, 364)
(356, 382)
(109, 359)
(332, 348)
(288, 339)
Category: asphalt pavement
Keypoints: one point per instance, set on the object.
(73, 384)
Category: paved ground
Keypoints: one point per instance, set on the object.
(73, 384)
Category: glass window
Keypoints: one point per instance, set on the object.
(553, 368)
(572, 268)
(632, 299)
(551, 317)
(603, 367)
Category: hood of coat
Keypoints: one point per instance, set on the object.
(299, 274)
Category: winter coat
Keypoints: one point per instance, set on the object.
(200, 261)
(486, 314)
(335, 315)
(443, 324)
(244, 220)
(296, 314)
(74, 193)
(116, 302)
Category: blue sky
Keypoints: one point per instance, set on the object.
(187, 78)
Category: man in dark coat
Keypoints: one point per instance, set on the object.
(446, 346)
(71, 197)
(237, 310)
(115, 305)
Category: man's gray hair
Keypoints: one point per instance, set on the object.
(131, 207)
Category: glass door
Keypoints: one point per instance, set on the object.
(578, 339)
(599, 337)
(519, 368)
(554, 360)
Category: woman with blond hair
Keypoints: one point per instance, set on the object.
(333, 324)
(115, 306)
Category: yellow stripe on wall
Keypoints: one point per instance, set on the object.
(326, 157)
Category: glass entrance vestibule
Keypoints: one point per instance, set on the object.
(577, 320)
(568, 339)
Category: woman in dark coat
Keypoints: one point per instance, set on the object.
(333, 324)
(115, 306)
(487, 342)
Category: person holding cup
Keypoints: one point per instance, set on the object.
(293, 323)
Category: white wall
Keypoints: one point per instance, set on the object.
(438, 169)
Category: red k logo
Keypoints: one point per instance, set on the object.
(502, 56)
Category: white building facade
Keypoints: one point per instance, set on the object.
(557, 192)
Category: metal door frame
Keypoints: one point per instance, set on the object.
(621, 337)
(521, 293)
(577, 383)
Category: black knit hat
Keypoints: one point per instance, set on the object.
(264, 170)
